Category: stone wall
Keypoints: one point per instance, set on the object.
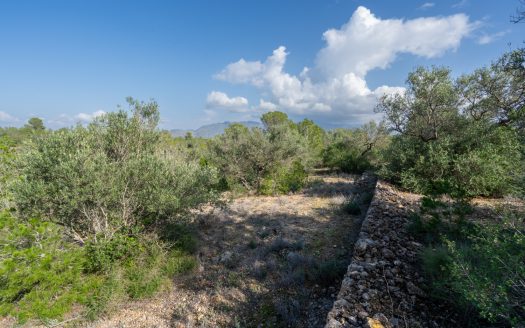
(381, 286)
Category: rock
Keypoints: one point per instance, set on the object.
(362, 315)
(387, 253)
(383, 270)
(226, 257)
(332, 323)
(360, 246)
(342, 303)
(414, 290)
(373, 323)
(382, 319)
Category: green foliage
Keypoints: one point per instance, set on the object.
(489, 272)
(16, 136)
(356, 151)
(35, 124)
(430, 203)
(43, 276)
(315, 138)
(439, 149)
(266, 161)
(6, 172)
(100, 256)
(109, 178)
(351, 206)
(474, 266)
(285, 180)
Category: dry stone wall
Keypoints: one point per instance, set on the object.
(382, 287)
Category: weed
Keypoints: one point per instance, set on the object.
(351, 206)
(328, 272)
(259, 270)
(279, 244)
(430, 203)
(293, 277)
(297, 260)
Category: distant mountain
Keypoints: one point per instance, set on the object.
(211, 130)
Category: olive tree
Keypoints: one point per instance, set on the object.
(356, 150)
(443, 145)
(265, 160)
(108, 177)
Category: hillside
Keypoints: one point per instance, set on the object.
(211, 130)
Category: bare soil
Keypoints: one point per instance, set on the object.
(263, 262)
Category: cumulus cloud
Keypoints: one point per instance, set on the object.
(335, 89)
(83, 117)
(7, 118)
(489, 38)
(66, 120)
(267, 106)
(218, 99)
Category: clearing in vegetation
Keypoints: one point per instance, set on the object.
(270, 261)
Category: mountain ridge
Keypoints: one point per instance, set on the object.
(211, 130)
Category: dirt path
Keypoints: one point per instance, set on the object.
(263, 262)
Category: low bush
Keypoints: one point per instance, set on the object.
(43, 276)
(328, 272)
(285, 180)
(100, 256)
(488, 271)
(351, 206)
(478, 267)
(109, 178)
(357, 150)
(40, 274)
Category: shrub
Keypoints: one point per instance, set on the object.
(40, 274)
(328, 272)
(351, 206)
(356, 151)
(489, 271)
(267, 161)
(477, 267)
(285, 180)
(288, 310)
(440, 149)
(108, 179)
(43, 276)
(100, 256)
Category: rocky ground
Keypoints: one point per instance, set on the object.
(380, 288)
(281, 262)
(384, 286)
(263, 262)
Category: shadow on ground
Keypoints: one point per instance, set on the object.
(273, 261)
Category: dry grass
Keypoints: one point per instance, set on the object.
(261, 261)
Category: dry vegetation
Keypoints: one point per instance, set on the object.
(263, 261)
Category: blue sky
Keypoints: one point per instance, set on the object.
(67, 61)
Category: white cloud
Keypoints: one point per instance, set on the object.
(427, 5)
(489, 38)
(267, 105)
(335, 89)
(66, 120)
(367, 42)
(83, 117)
(218, 99)
(460, 4)
(7, 118)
